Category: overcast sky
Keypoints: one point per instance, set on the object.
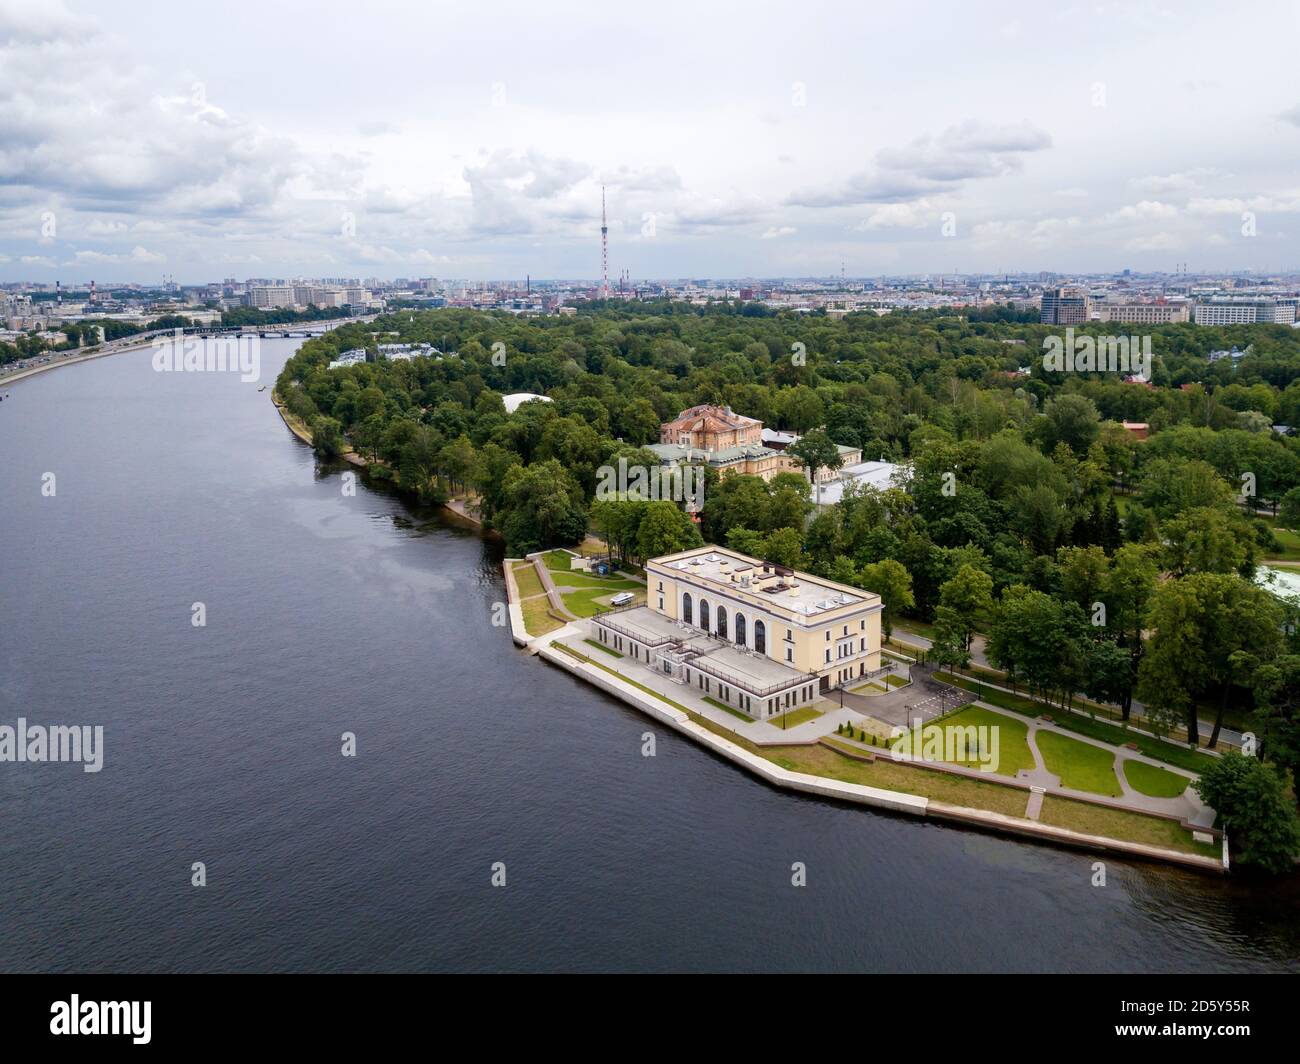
(470, 140)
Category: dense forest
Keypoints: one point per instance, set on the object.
(1091, 560)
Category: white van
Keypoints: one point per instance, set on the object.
(622, 599)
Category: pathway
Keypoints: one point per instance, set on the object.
(979, 644)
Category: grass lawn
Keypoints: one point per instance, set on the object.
(529, 582)
(1288, 541)
(795, 716)
(730, 709)
(558, 561)
(587, 602)
(1174, 754)
(536, 619)
(1122, 824)
(1013, 742)
(1081, 766)
(896, 681)
(868, 688)
(1154, 782)
(601, 646)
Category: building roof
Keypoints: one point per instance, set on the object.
(515, 400)
(878, 475)
(709, 418)
(767, 586)
(711, 653)
(678, 452)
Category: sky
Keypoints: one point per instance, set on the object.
(282, 139)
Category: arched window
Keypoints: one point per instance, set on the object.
(722, 622)
(740, 629)
(704, 614)
(686, 609)
(760, 637)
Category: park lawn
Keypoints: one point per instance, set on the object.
(536, 618)
(1081, 766)
(1154, 782)
(586, 602)
(730, 709)
(601, 646)
(795, 716)
(529, 582)
(1172, 753)
(1122, 824)
(873, 688)
(1013, 740)
(567, 581)
(896, 681)
(558, 561)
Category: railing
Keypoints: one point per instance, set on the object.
(640, 637)
(746, 685)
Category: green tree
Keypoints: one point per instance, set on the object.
(543, 507)
(966, 598)
(816, 451)
(327, 437)
(1210, 630)
(1252, 806)
(664, 529)
(893, 583)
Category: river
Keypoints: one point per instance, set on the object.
(329, 613)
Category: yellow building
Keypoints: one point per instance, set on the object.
(760, 637)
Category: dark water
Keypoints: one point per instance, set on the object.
(328, 614)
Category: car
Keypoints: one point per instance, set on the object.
(622, 598)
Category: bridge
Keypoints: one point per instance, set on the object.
(288, 331)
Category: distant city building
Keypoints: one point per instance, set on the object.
(269, 296)
(1245, 311)
(1063, 306)
(1143, 313)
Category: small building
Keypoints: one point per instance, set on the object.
(1139, 430)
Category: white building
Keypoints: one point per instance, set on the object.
(349, 358)
(517, 399)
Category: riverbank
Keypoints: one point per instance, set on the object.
(555, 647)
(71, 360)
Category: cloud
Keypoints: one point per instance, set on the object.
(969, 151)
(899, 216)
(1147, 210)
(773, 232)
(137, 255)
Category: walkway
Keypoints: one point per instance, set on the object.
(916, 641)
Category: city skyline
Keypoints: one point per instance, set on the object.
(749, 148)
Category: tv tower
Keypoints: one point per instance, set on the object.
(604, 248)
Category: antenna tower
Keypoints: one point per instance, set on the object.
(604, 248)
